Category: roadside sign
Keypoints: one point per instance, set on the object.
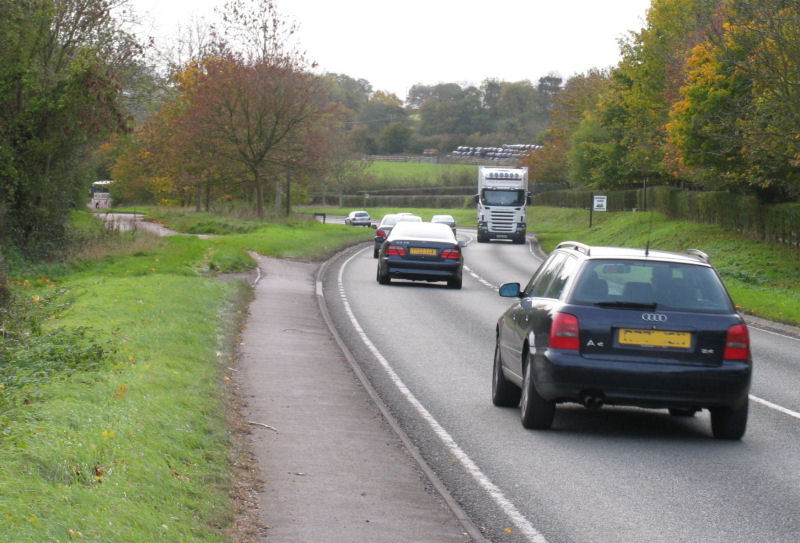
(599, 203)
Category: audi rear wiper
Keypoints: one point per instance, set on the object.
(631, 305)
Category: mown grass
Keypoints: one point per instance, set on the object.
(134, 443)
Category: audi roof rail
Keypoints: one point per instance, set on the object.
(577, 245)
(699, 254)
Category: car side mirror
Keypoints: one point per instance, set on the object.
(510, 290)
(462, 243)
(373, 226)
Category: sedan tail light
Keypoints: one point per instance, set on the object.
(737, 343)
(450, 253)
(395, 250)
(380, 233)
(565, 331)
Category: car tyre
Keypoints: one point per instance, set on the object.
(728, 423)
(383, 278)
(504, 392)
(536, 413)
(454, 283)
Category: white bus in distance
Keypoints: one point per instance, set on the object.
(101, 196)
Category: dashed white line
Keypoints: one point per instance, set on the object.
(522, 524)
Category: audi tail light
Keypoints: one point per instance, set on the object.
(565, 332)
(395, 250)
(737, 343)
(450, 253)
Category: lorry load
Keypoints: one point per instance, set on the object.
(502, 201)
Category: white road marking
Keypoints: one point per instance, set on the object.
(773, 333)
(522, 524)
(776, 407)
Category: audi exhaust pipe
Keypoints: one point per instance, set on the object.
(592, 401)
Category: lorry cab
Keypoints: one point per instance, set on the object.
(502, 201)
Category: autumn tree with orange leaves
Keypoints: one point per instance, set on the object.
(255, 100)
(245, 116)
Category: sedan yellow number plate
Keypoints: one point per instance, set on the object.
(655, 338)
(422, 251)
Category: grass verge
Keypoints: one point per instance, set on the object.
(763, 278)
(136, 442)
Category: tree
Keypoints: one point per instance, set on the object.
(520, 111)
(255, 99)
(351, 93)
(579, 96)
(381, 110)
(395, 138)
(740, 111)
(63, 64)
(647, 82)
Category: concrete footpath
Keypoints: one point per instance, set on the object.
(334, 471)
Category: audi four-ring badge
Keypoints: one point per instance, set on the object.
(606, 326)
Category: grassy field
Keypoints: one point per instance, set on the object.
(421, 173)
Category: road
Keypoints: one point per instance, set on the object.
(613, 475)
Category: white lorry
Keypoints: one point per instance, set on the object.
(101, 197)
(502, 201)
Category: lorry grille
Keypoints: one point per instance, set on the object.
(501, 221)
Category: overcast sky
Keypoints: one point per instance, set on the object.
(395, 45)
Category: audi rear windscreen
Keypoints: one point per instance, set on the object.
(663, 285)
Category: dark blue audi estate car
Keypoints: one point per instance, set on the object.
(637, 327)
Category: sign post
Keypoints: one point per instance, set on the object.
(598, 204)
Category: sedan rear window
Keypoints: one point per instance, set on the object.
(422, 231)
(667, 285)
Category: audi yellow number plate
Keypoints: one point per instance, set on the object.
(422, 251)
(655, 338)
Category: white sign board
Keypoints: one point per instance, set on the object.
(600, 203)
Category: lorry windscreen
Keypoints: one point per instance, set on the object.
(498, 197)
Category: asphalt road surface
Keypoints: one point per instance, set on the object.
(612, 475)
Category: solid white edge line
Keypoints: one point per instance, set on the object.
(776, 407)
(785, 336)
(483, 481)
(469, 527)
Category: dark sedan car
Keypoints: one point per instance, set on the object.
(421, 251)
(386, 225)
(601, 325)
